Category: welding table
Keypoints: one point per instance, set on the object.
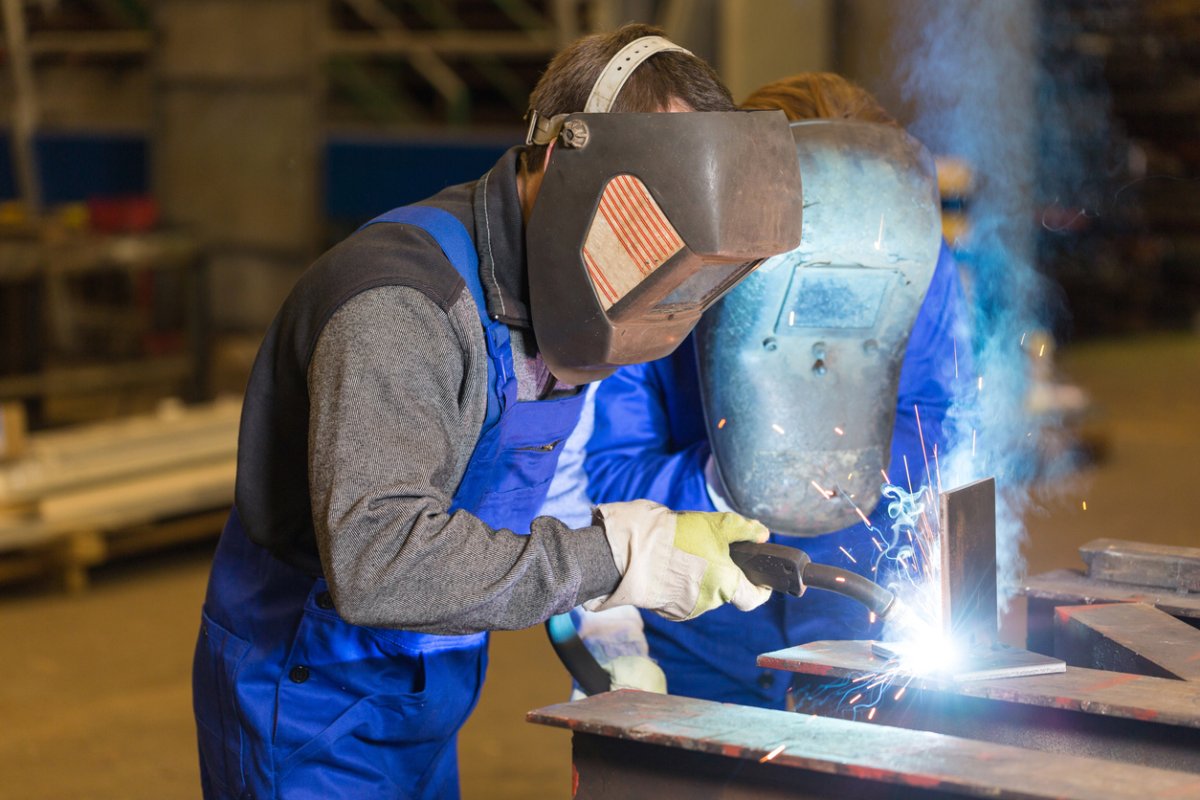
(634, 745)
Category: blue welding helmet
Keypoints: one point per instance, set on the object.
(800, 363)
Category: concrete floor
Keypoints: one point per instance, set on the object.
(94, 692)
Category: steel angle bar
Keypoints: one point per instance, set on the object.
(634, 745)
(1127, 637)
(1066, 587)
(1142, 564)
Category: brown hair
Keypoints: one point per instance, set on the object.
(819, 95)
(669, 75)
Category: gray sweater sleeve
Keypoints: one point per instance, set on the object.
(397, 391)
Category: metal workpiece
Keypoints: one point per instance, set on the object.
(1142, 564)
(1121, 717)
(826, 325)
(968, 563)
(1066, 587)
(1127, 637)
(633, 745)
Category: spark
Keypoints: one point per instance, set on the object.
(871, 713)
(856, 698)
(937, 465)
(972, 442)
(866, 520)
(1042, 350)
(791, 318)
(839, 579)
(838, 431)
(979, 383)
(875, 542)
(721, 424)
(879, 239)
(847, 552)
(778, 429)
(851, 475)
(871, 617)
(1085, 505)
(921, 434)
(826, 494)
(771, 755)
(900, 692)
(907, 474)
(1023, 335)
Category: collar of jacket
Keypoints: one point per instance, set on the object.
(500, 242)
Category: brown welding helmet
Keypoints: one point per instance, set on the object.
(644, 220)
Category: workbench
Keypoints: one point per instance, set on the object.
(633, 745)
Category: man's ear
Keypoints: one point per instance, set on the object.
(549, 150)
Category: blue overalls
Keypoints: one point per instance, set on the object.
(293, 702)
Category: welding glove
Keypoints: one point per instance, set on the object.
(616, 637)
(677, 563)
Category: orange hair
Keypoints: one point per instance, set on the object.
(819, 95)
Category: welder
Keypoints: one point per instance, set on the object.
(406, 409)
(651, 439)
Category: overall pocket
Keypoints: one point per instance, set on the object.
(366, 712)
(219, 732)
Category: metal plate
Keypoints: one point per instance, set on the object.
(968, 553)
(1127, 637)
(656, 746)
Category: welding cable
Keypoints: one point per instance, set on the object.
(835, 579)
(579, 661)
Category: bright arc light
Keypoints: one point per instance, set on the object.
(927, 654)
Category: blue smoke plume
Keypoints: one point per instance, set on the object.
(969, 73)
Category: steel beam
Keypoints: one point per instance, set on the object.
(1127, 637)
(968, 555)
(1120, 717)
(1141, 564)
(1066, 587)
(633, 745)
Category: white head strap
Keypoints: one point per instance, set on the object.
(604, 92)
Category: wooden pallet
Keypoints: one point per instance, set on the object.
(83, 496)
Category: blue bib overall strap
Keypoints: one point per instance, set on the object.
(456, 243)
(292, 701)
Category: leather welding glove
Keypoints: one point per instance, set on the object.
(677, 563)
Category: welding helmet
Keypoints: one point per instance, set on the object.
(800, 364)
(643, 221)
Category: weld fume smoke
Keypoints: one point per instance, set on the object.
(969, 73)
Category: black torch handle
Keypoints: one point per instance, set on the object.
(790, 570)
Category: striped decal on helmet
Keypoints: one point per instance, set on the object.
(628, 239)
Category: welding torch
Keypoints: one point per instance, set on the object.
(779, 567)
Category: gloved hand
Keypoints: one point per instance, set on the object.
(617, 639)
(677, 563)
(632, 672)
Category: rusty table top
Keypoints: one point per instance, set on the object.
(871, 753)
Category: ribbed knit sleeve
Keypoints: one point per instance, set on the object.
(397, 388)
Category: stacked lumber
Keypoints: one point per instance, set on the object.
(82, 495)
